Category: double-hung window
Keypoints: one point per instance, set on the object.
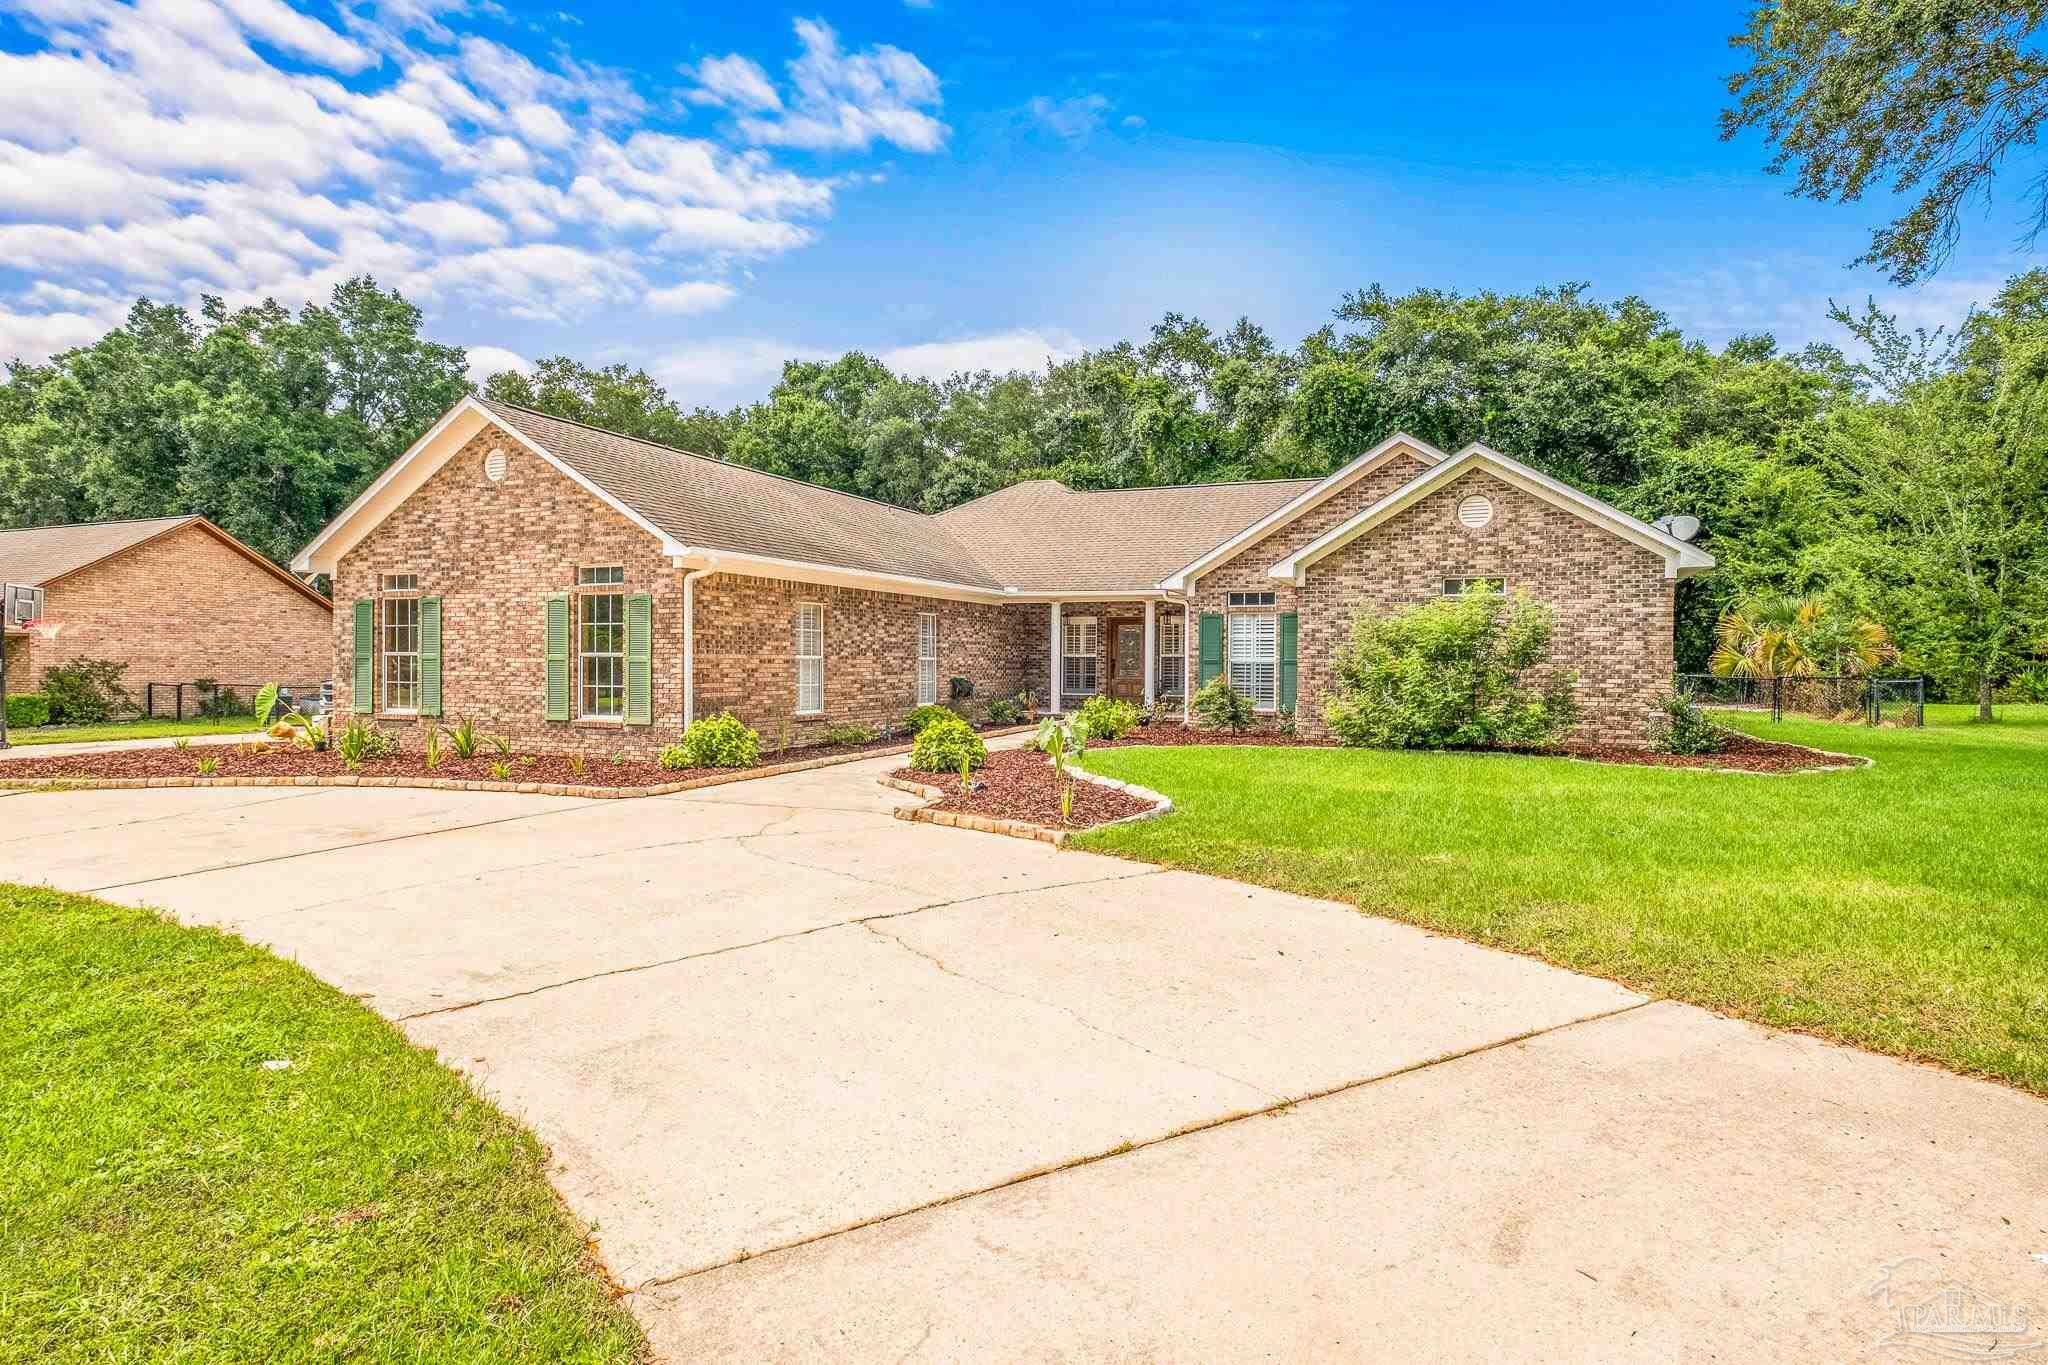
(400, 607)
(1173, 657)
(1458, 587)
(1255, 657)
(601, 643)
(1079, 651)
(810, 658)
(927, 658)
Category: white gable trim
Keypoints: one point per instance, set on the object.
(1680, 559)
(1183, 579)
(419, 463)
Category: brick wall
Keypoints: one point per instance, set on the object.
(1612, 601)
(21, 674)
(183, 607)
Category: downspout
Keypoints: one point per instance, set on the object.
(690, 641)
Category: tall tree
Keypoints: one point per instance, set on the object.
(616, 397)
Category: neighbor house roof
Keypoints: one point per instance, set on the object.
(40, 555)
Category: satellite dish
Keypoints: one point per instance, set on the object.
(1679, 528)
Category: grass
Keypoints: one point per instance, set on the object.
(131, 729)
(1902, 907)
(164, 1196)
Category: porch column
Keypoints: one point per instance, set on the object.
(1187, 683)
(1052, 688)
(1151, 652)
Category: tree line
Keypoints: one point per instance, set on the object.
(1910, 486)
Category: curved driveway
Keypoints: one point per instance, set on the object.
(831, 1084)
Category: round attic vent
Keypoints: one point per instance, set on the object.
(494, 466)
(1475, 511)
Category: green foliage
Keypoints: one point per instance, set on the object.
(312, 735)
(266, 703)
(87, 691)
(1784, 637)
(1063, 743)
(433, 746)
(615, 398)
(1107, 718)
(1004, 711)
(502, 744)
(217, 702)
(1682, 727)
(944, 745)
(720, 741)
(464, 738)
(1448, 673)
(959, 689)
(27, 709)
(1219, 706)
(360, 741)
(850, 734)
(918, 717)
(208, 767)
(501, 771)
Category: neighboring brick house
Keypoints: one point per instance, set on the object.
(577, 590)
(176, 599)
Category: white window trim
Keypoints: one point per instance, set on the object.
(927, 663)
(1231, 659)
(1173, 660)
(801, 658)
(584, 594)
(386, 654)
(1094, 627)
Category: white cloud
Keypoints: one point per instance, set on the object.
(485, 361)
(1000, 352)
(1073, 119)
(733, 80)
(851, 100)
(691, 296)
(448, 220)
(35, 336)
(727, 370)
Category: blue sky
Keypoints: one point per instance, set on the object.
(708, 190)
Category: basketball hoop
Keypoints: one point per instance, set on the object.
(41, 629)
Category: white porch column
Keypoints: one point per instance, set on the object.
(1151, 652)
(1052, 687)
(1187, 681)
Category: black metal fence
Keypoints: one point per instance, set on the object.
(206, 697)
(1873, 701)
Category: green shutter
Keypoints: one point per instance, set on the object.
(1212, 646)
(430, 656)
(639, 659)
(1289, 627)
(359, 685)
(558, 656)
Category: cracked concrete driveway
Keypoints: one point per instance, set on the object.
(830, 1084)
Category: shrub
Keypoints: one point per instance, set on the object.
(720, 741)
(464, 738)
(915, 719)
(1448, 674)
(1681, 727)
(28, 708)
(959, 689)
(217, 702)
(1107, 718)
(1219, 706)
(1004, 711)
(87, 691)
(1283, 720)
(208, 767)
(944, 745)
(361, 741)
(849, 734)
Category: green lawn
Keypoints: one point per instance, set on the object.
(131, 729)
(163, 1196)
(1902, 907)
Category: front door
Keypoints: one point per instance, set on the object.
(1127, 660)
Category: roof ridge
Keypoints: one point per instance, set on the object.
(105, 521)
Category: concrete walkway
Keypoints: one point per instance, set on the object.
(833, 1085)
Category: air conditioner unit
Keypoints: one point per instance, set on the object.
(24, 604)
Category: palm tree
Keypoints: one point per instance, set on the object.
(1797, 637)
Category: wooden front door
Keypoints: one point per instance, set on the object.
(1126, 661)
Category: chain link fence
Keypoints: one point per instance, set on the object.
(1872, 701)
(205, 698)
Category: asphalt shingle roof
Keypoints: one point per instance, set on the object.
(37, 554)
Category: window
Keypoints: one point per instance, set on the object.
(1080, 648)
(401, 582)
(402, 651)
(1173, 657)
(1457, 587)
(1255, 657)
(927, 658)
(609, 576)
(810, 658)
(1251, 599)
(600, 643)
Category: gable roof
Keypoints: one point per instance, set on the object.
(1129, 538)
(40, 555)
(1681, 560)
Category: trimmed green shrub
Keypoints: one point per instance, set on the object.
(1447, 673)
(27, 709)
(1219, 706)
(87, 691)
(360, 741)
(1681, 727)
(849, 734)
(1004, 711)
(959, 689)
(1107, 718)
(944, 745)
(720, 741)
(917, 717)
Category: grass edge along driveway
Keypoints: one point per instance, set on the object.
(165, 1196)
(1902, 907)
(21, 736)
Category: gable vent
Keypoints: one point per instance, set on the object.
(1475, 512)
(494, 466)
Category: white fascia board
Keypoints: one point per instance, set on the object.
(1182, 579)
(412, 469)
(1680, 559)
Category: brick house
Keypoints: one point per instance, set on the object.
(176, 599)
(578, 590)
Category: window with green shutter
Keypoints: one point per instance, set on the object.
(430, 656)
(557, 656)
(359, 684)
(1212, 646)
(1290, 626)
(639, 659)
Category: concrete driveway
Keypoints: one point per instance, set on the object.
(830, 1084)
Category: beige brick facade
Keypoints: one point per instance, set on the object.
(183, 607)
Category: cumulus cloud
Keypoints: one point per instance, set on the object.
(691, 296)
(728, 369)
(485, 361)
(733, 80)
(998, 352)
(837, 100)
(1073, 119)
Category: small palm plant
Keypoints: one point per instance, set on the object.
(208, 767)
(464, 738)
(433, 746)
(1797, 637)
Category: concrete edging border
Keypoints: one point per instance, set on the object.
(1020, 829)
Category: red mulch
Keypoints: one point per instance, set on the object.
(1744, 752)
(1020, 784)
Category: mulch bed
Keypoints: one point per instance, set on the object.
(1020, 784)
(1743, 752)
